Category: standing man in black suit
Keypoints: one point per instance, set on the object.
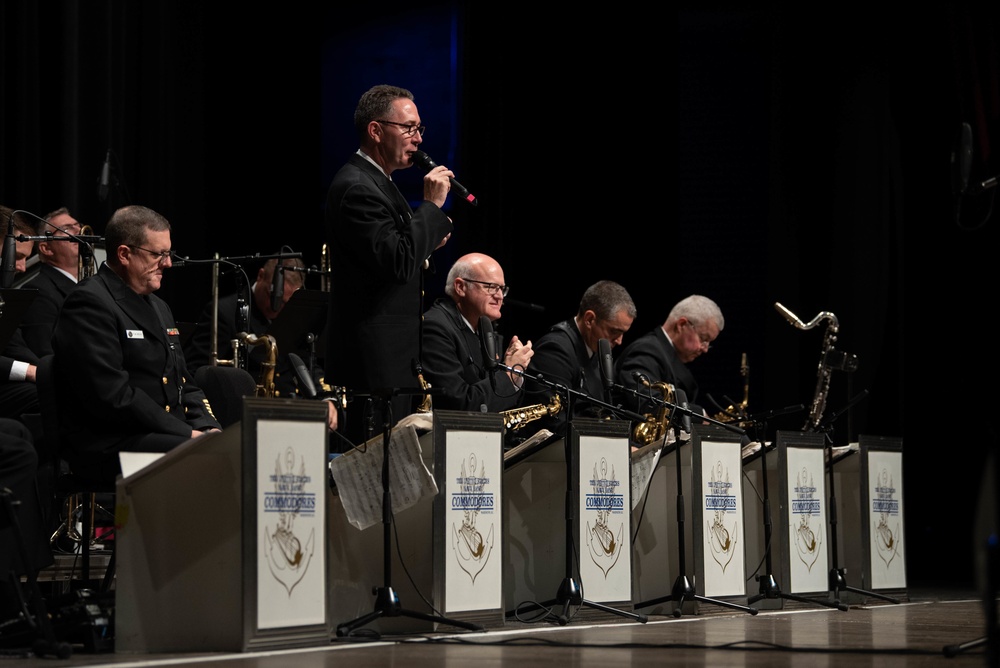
(58, 273)
(453, 359)
(662, 355)
(121, 380)
(379, 249)
(567, 353)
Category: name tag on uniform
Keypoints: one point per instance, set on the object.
(134, 334)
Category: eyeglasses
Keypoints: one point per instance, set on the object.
(491, 288)
(161, 256)
(408, 130)
(704, 339)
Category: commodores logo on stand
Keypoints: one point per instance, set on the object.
(606, 500)
(720, 501)
(805, 506)
(885, 505)
(286, 557)
(472, 551)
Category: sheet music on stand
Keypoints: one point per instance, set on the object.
(527, 445)
(358, 475)
(644, 461)
(843, 451)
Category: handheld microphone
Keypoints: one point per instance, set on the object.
(607, 364)
(487, 343)
(277, 286)
(105, 182)
(424, 161)
(9, 259)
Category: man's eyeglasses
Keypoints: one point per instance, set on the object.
(408, 130)
(161, 256)
(491, 288)
(704, 339)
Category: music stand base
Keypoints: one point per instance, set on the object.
(769, 589)
(387, 605)
(683, 590)
(569, 594)
(838, 584)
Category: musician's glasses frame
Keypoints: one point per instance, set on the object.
(491, 288)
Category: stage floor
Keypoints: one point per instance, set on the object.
(915, 632)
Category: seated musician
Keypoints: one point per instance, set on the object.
(58, 273)
(263, 308)
(567, 356)
(121, 381)
(453, 361)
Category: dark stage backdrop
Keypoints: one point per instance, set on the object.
(750, 155)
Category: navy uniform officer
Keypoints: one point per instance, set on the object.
(121, 379)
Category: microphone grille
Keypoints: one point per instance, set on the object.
(422, 160)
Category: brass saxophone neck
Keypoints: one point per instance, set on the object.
(516, 418)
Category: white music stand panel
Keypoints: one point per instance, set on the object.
(803, 530)
(604, 513)
(882, 501)
(468, 515)
(222, 542)
(718, 528)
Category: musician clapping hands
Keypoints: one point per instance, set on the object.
(453, 361)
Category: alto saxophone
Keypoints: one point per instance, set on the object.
(656, 426)
(518, 417)
(829, 360)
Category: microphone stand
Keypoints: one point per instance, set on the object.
(386, 600)
(683, 590)
(570, 592)
(769, 588)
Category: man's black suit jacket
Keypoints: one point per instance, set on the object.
(378, 247)
(562, 357)
(119, 370)
(454, 366)
(653, 355)
(40, 319)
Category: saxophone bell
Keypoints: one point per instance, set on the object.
(656, 425)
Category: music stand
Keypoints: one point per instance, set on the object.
(682, 589)
(304, 313)
(386, 600)
(769, 588)
(569, 591)
(14, 303)
(838, 581)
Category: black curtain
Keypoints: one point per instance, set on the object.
(752, 155)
